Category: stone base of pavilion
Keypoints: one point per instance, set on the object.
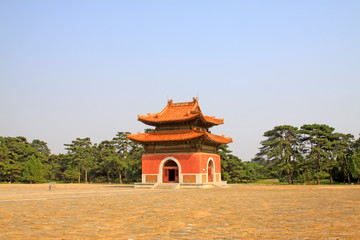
(222, 184)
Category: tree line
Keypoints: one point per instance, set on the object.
(311, 153)
(116, 160)
(112, 160)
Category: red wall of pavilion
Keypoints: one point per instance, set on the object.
(190, 162)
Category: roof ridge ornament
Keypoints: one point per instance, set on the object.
(195, 109)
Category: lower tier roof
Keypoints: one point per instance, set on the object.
(181, 135)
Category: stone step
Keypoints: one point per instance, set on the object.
(196, 185)
(222, 184)
(167, 186)
(145, 185)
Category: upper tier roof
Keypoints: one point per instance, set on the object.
(179, 112)
(181, 135)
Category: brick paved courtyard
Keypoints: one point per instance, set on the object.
(97, 211)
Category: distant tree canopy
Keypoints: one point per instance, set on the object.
(234, 170)
(113, 159)
(21, 160)
(119, 158)
(312, 153)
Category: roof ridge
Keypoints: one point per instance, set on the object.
(180, 104)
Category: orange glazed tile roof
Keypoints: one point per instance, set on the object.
(180, 135)
(179, 112)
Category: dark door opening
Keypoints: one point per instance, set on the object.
(171, 175)
(210, 175)
(170, 172)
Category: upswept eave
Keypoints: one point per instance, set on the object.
(174, 136)
(179, 112)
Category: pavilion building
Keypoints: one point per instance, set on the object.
(180, 149)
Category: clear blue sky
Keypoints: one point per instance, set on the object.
(73, 69)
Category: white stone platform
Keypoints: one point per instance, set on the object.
(222, 184)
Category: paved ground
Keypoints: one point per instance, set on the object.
(240, 212)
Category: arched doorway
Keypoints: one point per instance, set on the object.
(210, 171)
(170, 172)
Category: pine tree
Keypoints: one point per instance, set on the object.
(33, 170)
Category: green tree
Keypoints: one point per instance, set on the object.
(232, 168)
(71, 173)
(43, 153)
(355, 166)
(355, 161)
(129, 155)
(318, 141)
(81, 153)
(304, 171)
(54, 166)
(41, 147)
(109, 160)
(14, 153)
(122, 146)
(341, 150)
(283, 148)
(134, 157)
(254, 171)
(33, 170)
